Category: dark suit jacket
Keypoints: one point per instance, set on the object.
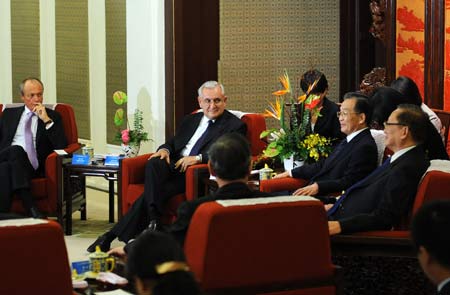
(224, 124)
(433, 144)
(46, 140)
(186, 210)
(381, 201)
(237, 190)
(327, 123)
(339, 171)
(445, 289)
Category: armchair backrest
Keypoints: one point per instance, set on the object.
(435, 185)
(259, 246)
(255, 125)
(34, 260)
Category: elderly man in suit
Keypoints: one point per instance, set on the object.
(430, 236)
(230, 162)
(28, 135)
(379, 201)
(352, 160)
(165, 170)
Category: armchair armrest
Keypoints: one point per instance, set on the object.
(281, 184)
(393, 243)
(133, 169)
(194, 174)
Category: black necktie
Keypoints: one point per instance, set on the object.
(198, 145)
(380, 169)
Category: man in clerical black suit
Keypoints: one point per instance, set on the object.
(429, 232)
(379, 201)
(352, 160)
(165, 170)
(28, 135)
(230, 163)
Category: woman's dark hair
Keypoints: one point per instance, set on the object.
(408, 88)
(230, 156)
(383, 102)
(308, 79)
(151, 252)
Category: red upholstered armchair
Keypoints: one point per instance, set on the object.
(275, 248)
(131, 175)
(34, 260)
(45, 190)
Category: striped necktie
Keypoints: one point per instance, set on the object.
(29, 144)
(377, 171)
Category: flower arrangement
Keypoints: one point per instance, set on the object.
(294, 137)
(128, 136)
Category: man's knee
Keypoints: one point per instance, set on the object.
(12, 153)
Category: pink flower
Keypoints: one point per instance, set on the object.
(125, 136)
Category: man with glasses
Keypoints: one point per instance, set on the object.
(165, 169)
(379, 201)
(352, 160)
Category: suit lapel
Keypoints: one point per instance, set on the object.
(345, 152)
(15, 122)
(216, 129)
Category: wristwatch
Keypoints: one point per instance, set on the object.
(198, 158)
(48, 122)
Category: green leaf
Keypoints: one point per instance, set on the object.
(266, 133)
(118, 117)
(120, 97)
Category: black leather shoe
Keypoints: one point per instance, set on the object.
(34, 212)
(101, 241)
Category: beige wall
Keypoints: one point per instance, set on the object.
(259, 39)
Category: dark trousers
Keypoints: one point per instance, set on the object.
(16, 173)
(162, 182)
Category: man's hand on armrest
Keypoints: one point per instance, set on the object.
(163, 154)
(185, 162)
(282, 175)
(334, 227)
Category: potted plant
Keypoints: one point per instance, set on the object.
(130, 138)
(293, 141)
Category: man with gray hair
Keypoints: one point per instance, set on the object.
(165, 169)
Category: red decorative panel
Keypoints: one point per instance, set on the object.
(410, 49)
(447, 57)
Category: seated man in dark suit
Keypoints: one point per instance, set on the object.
(165, 170)
(352, 160)
(230, 163)
(379, 201)
(28, 135)
(430, 228)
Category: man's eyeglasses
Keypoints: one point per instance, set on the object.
(212, 100)
(345, 113)
(393, 124)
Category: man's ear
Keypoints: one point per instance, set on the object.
(211, 170)
(199, 99)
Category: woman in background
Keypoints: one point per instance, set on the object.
(409, 89)
(157, 265)
(384, 101)
(327, 123)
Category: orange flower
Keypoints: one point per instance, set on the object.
(274, 110)
(285, 82)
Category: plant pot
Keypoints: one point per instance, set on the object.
(130, 150)
(290, 164)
